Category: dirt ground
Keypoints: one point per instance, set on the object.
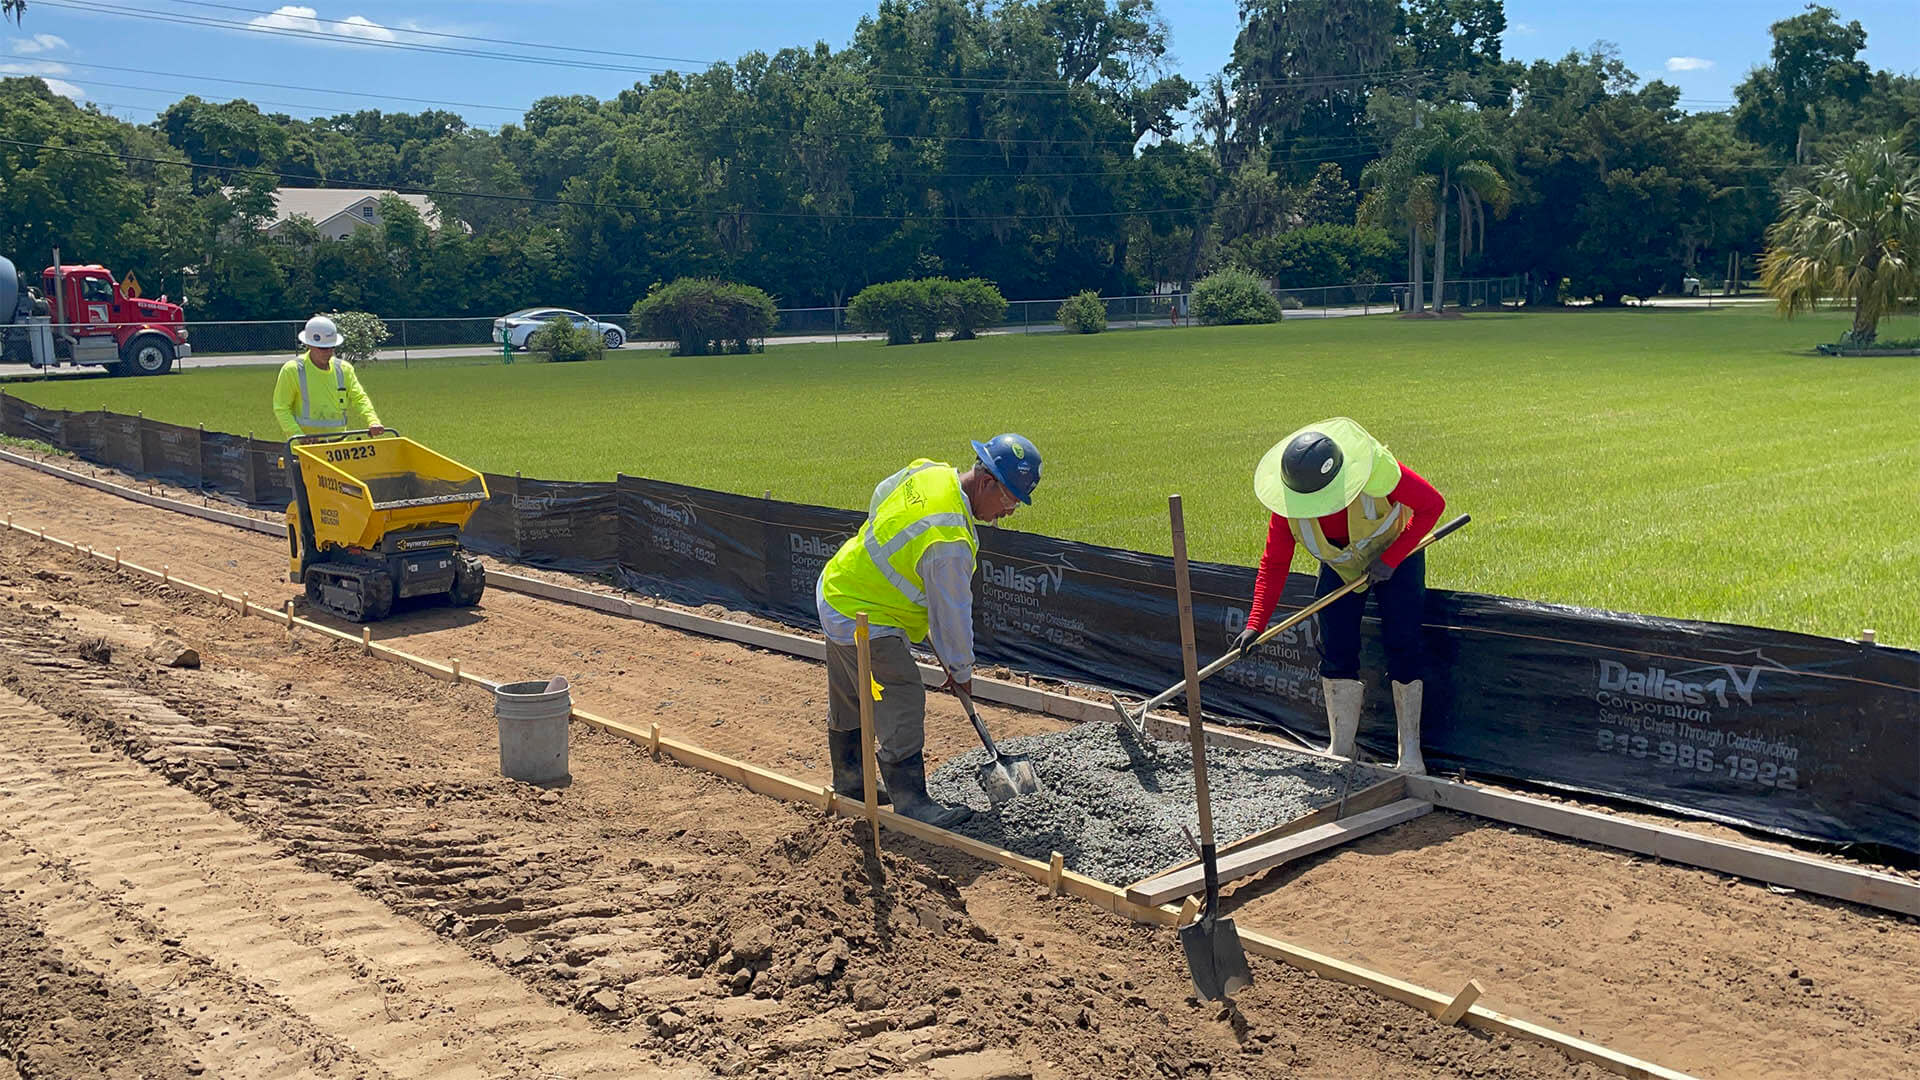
(295, 858)
(1690, 969)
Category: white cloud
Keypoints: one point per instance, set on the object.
(46, 70)
(1688, 63)
(38, 43)
(1520, 29)
(308, 21)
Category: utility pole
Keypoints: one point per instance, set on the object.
(1417, 304)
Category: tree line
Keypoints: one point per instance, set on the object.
(1042, 145)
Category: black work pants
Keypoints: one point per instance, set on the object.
(1402, 601)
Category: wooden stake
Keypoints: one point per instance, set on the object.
(456, 671)
(166, 574)
(1055, 865)
(289, 622)
(1189, 911)
(366, 641)
(864, 691)
(246, 603)
(116, 560)
(653, 740)
(1456, 1010)
(1866, 637)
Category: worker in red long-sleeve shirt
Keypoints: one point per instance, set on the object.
(1343, 496)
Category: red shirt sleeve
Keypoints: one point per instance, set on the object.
(1426, 503)
(1272, 580)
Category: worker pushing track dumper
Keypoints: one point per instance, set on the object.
(384, 514)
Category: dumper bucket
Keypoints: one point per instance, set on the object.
(361, 487)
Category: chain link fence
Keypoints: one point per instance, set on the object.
(474, 338)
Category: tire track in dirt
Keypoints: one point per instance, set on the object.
(410, 1004)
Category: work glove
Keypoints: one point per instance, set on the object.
(1378, 571)
(1244, 643)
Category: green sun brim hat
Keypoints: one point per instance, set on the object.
(1352, 467)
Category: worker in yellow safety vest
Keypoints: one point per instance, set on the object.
(910, 569)
(316, 394)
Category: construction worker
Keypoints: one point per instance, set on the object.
(1336, 491)
(910, 568)
(316, 394)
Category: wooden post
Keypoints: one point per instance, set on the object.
(246, 603)
(653, 740)
(1055, 865)
(864, 691)
(166, 574)
(1456, 1010)
(456, 671)
(116, 560)
(366, 641)
(289, 622)
(1866, 637)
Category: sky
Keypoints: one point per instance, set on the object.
(134, 57)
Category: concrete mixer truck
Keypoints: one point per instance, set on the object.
(79, 315)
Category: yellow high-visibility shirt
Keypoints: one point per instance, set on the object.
(310, 401)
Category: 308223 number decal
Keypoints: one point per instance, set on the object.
(350, 453)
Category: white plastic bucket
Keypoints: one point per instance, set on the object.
(533, 730)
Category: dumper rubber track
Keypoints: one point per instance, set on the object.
(355, 593)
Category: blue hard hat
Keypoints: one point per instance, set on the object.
(1014, 461)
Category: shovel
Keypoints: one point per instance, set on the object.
(1215, 957)
(1004, 776)
(1136, 718)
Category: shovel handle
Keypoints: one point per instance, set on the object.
(973, 714)
(1295, 619)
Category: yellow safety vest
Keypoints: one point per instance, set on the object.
(1373, 524)
(878, 569)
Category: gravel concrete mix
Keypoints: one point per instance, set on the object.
(1115, 812)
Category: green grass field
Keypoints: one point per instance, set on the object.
(1690, 463)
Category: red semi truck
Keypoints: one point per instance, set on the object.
(80, 315)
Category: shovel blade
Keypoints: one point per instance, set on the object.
(1007, 778)
(1215, 958)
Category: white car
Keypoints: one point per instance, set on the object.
(519, 326)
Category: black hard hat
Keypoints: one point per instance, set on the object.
(1310, 462)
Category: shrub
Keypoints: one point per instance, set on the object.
(1084, 313)
(969, 305)
(364, 334)
(1290, 302)
(1322, 255)
(706, 317)
(1232, 297)
(899, 309)
(566, 343)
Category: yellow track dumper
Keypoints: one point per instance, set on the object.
(377, 518)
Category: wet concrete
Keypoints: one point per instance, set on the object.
(1115, 812)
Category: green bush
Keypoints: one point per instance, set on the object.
(917, 310)
(899, 309)
(1322, 255)
(705, 317)
(364, 334)
(969, 305)
(565, 343)
(1084, 313)
(1233, 297)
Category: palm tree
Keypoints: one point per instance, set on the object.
(1854, 234)
(13, 9)
(1452, 159)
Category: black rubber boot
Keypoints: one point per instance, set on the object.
(844, 748)
(907, 781)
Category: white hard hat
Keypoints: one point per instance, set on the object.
(321, 334)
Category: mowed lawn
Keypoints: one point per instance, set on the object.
(1672, 462)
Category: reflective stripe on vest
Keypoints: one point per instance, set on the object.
(307, 419)
(877, 570)
(1375, 523)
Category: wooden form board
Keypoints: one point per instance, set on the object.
(1784, 868)
(786, 788)
(1372, 797)
(1824, 878)
(1247, 861)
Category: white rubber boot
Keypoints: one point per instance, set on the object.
(1343, 713)
(1406, 709)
